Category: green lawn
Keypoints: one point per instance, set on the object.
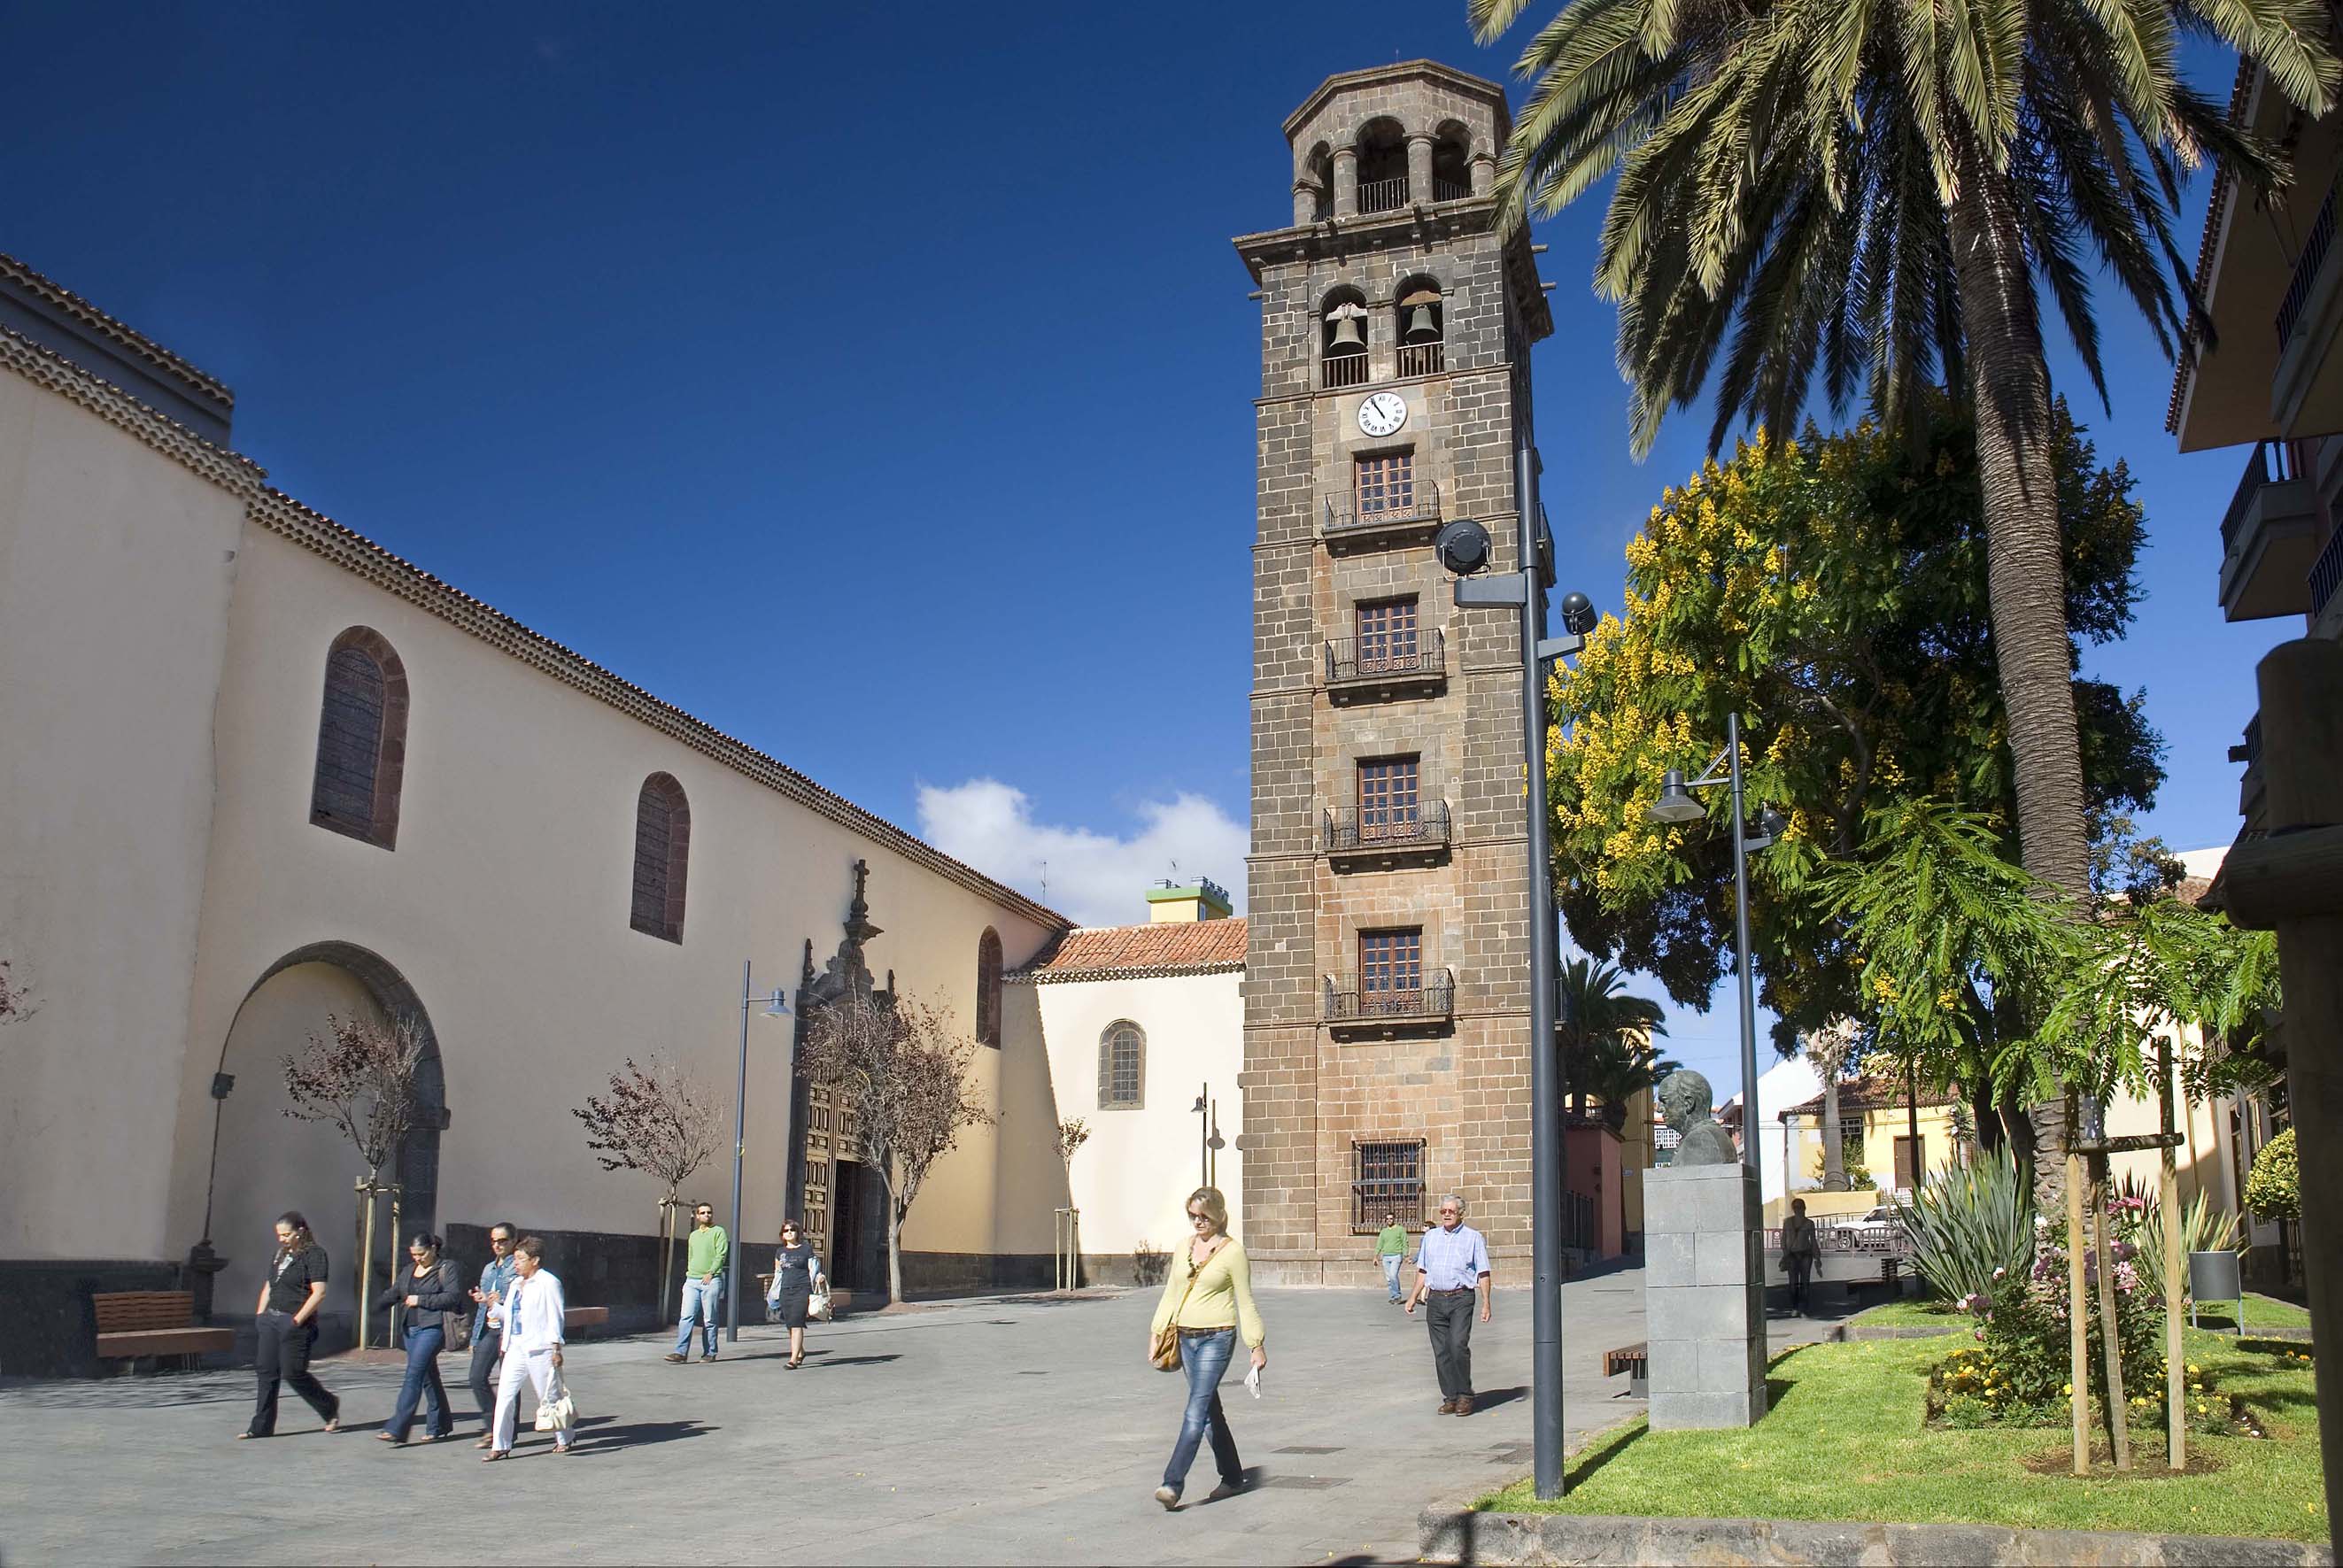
(1924, 1312)
(1845, 1440)
(1928, 1312)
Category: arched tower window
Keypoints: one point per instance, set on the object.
(1320, 169)
(1451, 163)
(361, 740)
(662, 854)
(1382, 167)
(1342, 338)
(1122, 1067)
(1420, 324)
(988, 989)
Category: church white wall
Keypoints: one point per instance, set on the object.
(1133, 1176)
(505, 906)
(116, 570)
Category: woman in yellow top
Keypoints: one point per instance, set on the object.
(1208, 1296)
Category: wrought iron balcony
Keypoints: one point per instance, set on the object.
(1387, 839)
(1426, 1008)
(1367, 668)
(2306, 263)
(1382, 196)
(2326, 577)
(1391, 519)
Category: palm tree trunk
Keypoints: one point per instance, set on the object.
(1834, 1155)
(2009, 384)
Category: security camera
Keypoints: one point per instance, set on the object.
(1464, 546)
(1577, 614)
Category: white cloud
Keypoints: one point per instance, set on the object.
(1098, 879)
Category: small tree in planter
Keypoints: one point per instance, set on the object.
(660, 1120)
(362, 1076)
(901, 1073)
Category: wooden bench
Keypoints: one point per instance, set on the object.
(134, 1323)
(576, 1318)
(1634, 1361)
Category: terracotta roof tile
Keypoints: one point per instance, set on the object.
(1860, 1094)
(1171, 946)
(98, 321)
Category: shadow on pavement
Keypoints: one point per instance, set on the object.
(597, 1432)
(1497, 1396)
(831, 1360)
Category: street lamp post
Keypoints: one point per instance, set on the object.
(776, 1006)
(1675, 807)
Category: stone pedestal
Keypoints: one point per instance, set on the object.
(1703, 1296)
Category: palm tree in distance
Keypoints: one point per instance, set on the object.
(1605, 1039)
(1873, 190)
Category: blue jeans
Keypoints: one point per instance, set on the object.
(422, 1381)
(1204, 1358)
(1392, 1260)
(699, 1300)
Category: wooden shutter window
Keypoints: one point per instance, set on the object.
(1391, 963)
(1386, 483)
(361, 740)
(1388, 799)
(1386, 631)
(988, 989)
(662, 857)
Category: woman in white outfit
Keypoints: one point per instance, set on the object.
(534, 1315)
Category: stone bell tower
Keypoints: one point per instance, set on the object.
(1387, 1002)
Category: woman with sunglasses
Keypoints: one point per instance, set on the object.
(424, 1306)
(1208, 1299)
(796, 1268)
(286, 1320)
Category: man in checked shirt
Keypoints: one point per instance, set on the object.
(1452, 1264)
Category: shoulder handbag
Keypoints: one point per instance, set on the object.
(559, 1413)
(459, 1323)
(1165, 1356)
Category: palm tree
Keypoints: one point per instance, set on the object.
(1829, 1048)
(1605, 1035)
(1873, 190)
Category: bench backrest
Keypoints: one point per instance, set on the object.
(127, 1311)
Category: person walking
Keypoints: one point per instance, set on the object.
(285, 1318)
(488, 1323)
(424, 1307)
(1207, 1303)
(1451, 1266)
(1800, 1252)
(796, 1268)
(705, 1255)
(534, 1312)
(1391, 1249)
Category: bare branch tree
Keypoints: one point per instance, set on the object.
(902, 1074)
(662, 1121)
(1072, 1135)
(362, 1075)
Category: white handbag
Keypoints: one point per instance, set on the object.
(817, 1304)
(559, 1413)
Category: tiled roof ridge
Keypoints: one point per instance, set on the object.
(345, 547)
(137, 342)
(1133, 951)
(1871, 1091)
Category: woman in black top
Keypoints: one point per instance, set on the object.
(287, 1319)
(795, 1269)
(425, 1305)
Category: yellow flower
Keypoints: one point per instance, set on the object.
(2200, 1410)
(2192, 1369)
(2068, 1390)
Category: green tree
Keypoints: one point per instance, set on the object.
(1605, 1035)
(1834, 592)
(1872, 191)
(2274, 1186)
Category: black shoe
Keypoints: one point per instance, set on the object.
(1228, 1488)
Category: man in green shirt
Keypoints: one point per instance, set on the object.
(1392, 1247)
(705, 1254)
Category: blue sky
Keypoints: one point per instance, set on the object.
(873, 382)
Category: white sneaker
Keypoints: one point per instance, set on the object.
(1169, 1498)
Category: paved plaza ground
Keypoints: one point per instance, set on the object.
(1003, 1430)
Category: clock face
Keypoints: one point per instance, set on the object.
(1382, 414)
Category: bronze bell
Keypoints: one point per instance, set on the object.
(1346, 333)
(1420, 325)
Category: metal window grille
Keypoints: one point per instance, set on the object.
(1122, 1058)
(1388, 799)
(1387, 1178)
(1390, 962)
(1386, 636)
(1385, 484)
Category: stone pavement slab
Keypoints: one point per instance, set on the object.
(997, 1430)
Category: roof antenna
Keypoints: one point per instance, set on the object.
(1045, 882)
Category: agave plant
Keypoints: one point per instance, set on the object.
(1967, 1221)
(2203, 1228)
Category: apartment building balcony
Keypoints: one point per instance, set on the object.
(1379, 669)
(2269, 538)
(2325, 580)
(1409, 517)
(2306, 392)
(1387, 1012)
(1386, 841)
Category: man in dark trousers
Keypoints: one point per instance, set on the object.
(489, 1319)
(1452, 1266)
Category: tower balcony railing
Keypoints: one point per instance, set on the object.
(1450, 190)
(1385, 839)
(1423, 358)
(1337, 370)
(1387, 663)
(1430, 1004)
(1351, 518)
(1382, 196)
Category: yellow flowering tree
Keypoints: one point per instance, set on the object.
(1832, 589)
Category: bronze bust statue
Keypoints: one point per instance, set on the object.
(1686, 1104)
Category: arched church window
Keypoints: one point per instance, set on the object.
(361, 740)
(662, 855)
(988, 989)
(1122, 1067)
